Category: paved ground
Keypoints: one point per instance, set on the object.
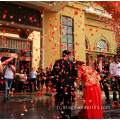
(33, 106)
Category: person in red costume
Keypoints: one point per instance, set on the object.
(92, 108)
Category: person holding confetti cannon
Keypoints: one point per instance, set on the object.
(8, 72)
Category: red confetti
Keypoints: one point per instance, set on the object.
(76, 12)
(37, 95)
(22, 114)
(4, 16)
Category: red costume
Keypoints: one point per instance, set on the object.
(93, 105)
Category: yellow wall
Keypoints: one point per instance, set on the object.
(53, 33)
(94, 34)
(35, 36)
(52, 52)
(79, 36)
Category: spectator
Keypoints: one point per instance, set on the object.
(42, 74)
(21, 79)
(38, 78)
(8, 71)
(102, 67)
(48, 81)
(33, 76)
(25, 82)
(115, 75)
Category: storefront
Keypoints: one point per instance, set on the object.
(21, 33)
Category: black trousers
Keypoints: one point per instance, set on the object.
(64, 107)
(115, 83)
(32, 81)
(101, 83)
(105, 87)
(106, 90)
(23, 86)
(73, 95)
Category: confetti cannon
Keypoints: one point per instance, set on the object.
(8, 60)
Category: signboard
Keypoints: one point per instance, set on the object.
(4, 54)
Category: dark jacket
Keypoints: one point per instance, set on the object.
(64, 73)
(105, 67)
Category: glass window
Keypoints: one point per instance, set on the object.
(69, 21)
(70, 39)
(102, 45)
(28, 53)
(69, 30)
(70, 47)
(86, 7)
(64, 46)
(64, 29)
(64, 38)
(18, 51)
(64, 20)
(67, 34)
(71, 56)
(99, 11)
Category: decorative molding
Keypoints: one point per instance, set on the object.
(19, 26)
(103, 38)
(15, 43)
(91, 10)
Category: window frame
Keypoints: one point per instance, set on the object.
(86, 44)
(67, 43)
(102, 48)
(86, 7)
(98, 10)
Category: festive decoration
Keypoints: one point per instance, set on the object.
(8, 60)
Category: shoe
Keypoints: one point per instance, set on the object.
(49, 94)
(42, 93)
(108, 101)
(68, 117)
(5, 100)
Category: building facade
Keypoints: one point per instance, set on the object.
(39, 31)
(84, 28)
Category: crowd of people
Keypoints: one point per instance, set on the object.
(109, 71)
(40, 78)
(62, 79)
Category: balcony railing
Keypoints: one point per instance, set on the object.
(15, 43)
